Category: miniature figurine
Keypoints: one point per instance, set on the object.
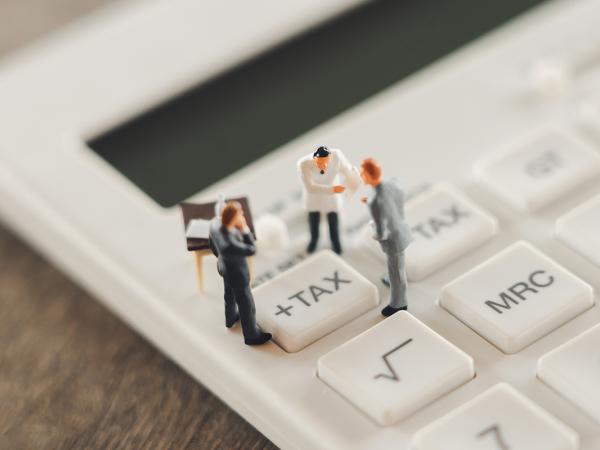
(196, 221)
(231, 241)
(319, 173)
(386, 205)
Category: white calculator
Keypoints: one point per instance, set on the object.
(487, 114)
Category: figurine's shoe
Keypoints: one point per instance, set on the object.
(389, 310)
(336, 247)
(312, 246)
(260, 339)
(231, 322)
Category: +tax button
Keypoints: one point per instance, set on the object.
(312, 299)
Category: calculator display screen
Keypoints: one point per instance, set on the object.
(219, 126)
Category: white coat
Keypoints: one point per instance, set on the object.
(318, 187)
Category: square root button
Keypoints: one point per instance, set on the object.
(395, 368)
(516, 297)
(312, 299)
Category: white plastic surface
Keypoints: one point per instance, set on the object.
(573, 370)
(499, 419)
(432, 126)
(390, 370)
(516, 297)
(580, 229)
(445, 225)
(312, 299)
(535, 172)
(589, 114)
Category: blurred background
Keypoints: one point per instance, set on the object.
(72, 375)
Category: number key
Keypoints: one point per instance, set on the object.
(573, 370)
(499, 419)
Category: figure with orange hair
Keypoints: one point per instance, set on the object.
(386, 205)
(231, 241)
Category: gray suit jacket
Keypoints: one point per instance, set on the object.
(387, 210)
(231, 248)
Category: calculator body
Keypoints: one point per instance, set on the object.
(129, 251)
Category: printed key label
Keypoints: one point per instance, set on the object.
(440, 220)
(312, 299)
(444, 225)
(545, 164)
(310, 296)
(521, 291)
(391, 371)
(495, 433)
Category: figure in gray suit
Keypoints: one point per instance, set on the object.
(386, 205)
(231, 241)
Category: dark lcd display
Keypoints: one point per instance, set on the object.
(210, 131)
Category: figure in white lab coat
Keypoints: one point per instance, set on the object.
(320, 174)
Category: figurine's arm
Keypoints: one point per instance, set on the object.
(213, 247)
(243, 248)
(309, 184)
(248, 238)
(349, 172)
(380, 223)
(381, 229)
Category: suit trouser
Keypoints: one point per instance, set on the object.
(241, 299)
(397, 276)
(314, 221)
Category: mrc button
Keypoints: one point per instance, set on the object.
(312, 299)
(516, 297)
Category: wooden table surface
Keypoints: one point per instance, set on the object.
(72, 375)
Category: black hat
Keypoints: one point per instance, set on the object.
(321, 152)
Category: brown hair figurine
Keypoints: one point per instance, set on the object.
(370, 172)
(231, 241)
(386, 205)
(230, 213)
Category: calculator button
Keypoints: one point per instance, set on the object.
(444, 224)
(540, 170)
(516, 297)
(312, 299)
(589, 113)
(501, 418)
(578, 229)
(395, 368)
(573, 369)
